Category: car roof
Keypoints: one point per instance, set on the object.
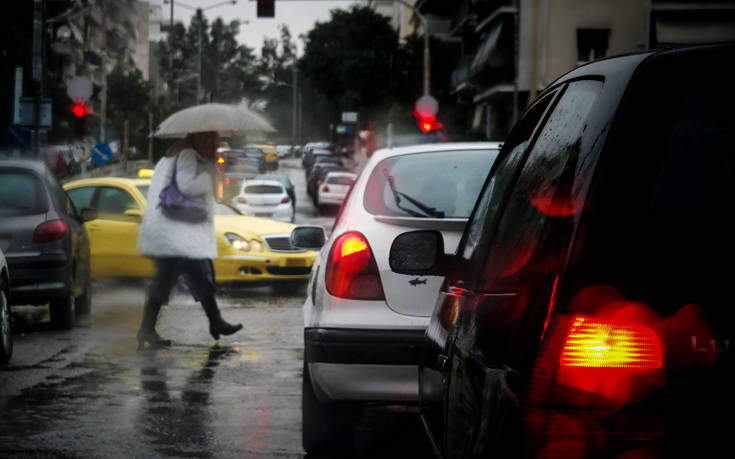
(341, 174)
(432, 147)
(96, 181)
(33, 164)
(263, 182)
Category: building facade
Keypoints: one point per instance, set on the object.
(512, 49)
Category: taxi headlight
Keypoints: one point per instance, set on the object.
(240, 243)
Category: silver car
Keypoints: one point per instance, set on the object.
(364, 324)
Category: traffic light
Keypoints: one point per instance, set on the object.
(427, 122)
(80, 112)
(266, 8)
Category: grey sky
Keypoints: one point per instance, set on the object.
(299, 15)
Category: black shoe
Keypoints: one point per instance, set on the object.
(153, 339)
(223, 328)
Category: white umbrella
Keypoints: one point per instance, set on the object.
(227, 120)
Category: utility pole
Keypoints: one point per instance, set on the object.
(294, 101)
(37, 72)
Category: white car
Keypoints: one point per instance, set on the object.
(266, 199)
(364, 324)
(6, 331)
(334, 188)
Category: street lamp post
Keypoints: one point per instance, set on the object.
(200, 16)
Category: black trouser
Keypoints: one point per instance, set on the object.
(198, 273)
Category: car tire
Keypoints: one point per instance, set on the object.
(62, 312)
(83, 303)
(324, 428)
(6, 328)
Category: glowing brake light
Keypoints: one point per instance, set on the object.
(594, 343)
(220, 160)
(351, 269)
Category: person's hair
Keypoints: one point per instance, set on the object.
(189, 142)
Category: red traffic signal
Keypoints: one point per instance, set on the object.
(80, 110)
(427, 122)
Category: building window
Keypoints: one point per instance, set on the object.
(591, 44)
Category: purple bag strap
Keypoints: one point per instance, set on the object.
(176, 166)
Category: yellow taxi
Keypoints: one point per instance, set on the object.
(250, 249)
(271, 155)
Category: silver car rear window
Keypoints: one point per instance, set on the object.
(263, 189)
(443, 184)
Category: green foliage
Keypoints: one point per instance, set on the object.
(128, 98)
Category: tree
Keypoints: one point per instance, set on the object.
(128, 98)
(277, 58)
(349, 61)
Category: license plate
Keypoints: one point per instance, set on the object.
(295, 262)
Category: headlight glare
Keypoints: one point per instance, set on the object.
(238, 242)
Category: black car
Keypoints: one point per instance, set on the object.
(588, 309)
(44, 241)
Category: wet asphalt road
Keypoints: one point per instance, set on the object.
(89, 393)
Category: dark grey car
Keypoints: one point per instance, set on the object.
(44, 241)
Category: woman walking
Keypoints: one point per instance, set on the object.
(181, 247)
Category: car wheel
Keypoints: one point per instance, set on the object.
(83, 303)
(6, 329)
(62, 312)
(324, 428)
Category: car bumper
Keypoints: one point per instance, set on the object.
(263, 268)
(331, 199)
(38, 278)
(365, 365)
(281, 213)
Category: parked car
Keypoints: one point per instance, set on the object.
(234, 167)
(271, 156)
(333, 190)
(309, 156)
(250, 250)
(6, 322)
(363, 324)
(317, 174)
(285, 181)
(265, 198)
(284, 151)
(586, 312)
(44, 241)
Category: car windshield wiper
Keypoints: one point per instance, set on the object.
(427, 210)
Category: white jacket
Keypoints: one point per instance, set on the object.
(163, 237)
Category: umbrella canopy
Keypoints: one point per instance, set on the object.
(227, 120)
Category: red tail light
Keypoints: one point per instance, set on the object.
(242, 200)
(594, 343)
(285, 200)
(325, 189)
(351, 269)
(49, 231)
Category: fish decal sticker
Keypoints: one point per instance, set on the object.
(417, 281)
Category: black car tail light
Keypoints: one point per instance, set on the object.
(50, 231)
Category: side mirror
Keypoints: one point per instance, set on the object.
(135, 215)
(417, 253)
(308, 237)
(87, 215)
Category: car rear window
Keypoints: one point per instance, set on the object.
(340, 180)
(263, 189)
(442, 184)
(21, 193)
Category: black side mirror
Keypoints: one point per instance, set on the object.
(308, 237)
(417, 253)
(88, 214)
